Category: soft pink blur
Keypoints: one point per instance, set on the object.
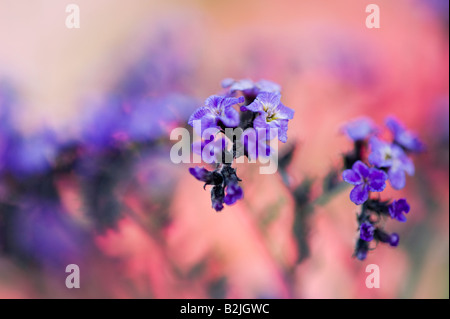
(331, 69)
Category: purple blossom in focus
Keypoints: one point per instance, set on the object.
(392, 157)
(272, 114)
(365, 180)
(217, 112)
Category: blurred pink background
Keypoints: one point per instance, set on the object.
(331, 69)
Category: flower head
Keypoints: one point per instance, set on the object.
(217, 112)
(365, 180)
(366, 231)
(359, 129)
(391, 156)
(397, 208)
(249, 88)
(403, 137)
(272, 114)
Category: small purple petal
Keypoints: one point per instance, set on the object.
(352, 177)
(366, 231)
(361, 168)
(359, 194)
(397, 178)
(377, 180)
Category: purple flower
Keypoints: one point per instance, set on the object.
(391, 239)
(397, 208)
(216, 112)
(392, 156)
(403, 137)
(272, 114)
(233, 193)
(359, 129)
(365, 180)
(249, 88)
(366, 231)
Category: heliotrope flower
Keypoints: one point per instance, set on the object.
(397, 208)
(391, 156)
(365, 180)
(249, 88)
(217, 112)
(366, 231)
(403, 137)
(272, 114)
(359, 129)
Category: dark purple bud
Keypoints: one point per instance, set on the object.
(366, 231)
(391, 239)
(217, 196)
(361, 249)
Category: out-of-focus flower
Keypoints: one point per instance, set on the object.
(397, 208)
(272, 113)
(366, 231)
(391, 239)
(403, 137)
(217, 112)
(391, 156)
(365, 180)
(250, 89)
(359, 129)
(31, 155)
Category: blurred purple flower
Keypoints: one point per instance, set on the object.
(272, 114)
(366, 231)
(359, 129)
(365, 180)
(217, 112)
(233, 193)
(391, 156)
(249, 88)
(403, 137)
(31, 155)
(397, 208)
(391, 239)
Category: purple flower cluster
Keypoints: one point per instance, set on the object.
(369, 166)
(256, 110)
